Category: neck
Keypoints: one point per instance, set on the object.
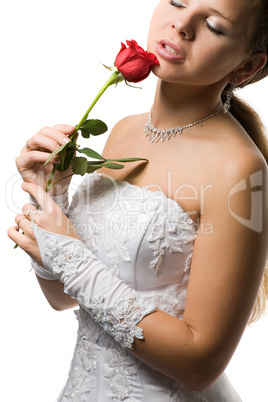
(178, 105)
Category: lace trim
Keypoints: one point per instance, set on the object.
(64, 261)
(170, 233)
(122, 367)
(120, 321)
(80, 386)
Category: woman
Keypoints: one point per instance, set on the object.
(195, 222)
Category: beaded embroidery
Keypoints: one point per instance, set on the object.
(120, 321)
(64, 260)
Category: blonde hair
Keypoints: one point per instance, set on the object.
(249, 119)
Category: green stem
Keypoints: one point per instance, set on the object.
(109, 82)
(49, 185)
(66, 177)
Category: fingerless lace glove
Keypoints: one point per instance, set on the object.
(111, 303)
(63, 203)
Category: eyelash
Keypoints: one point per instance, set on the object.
(176, 4)
(210, 27)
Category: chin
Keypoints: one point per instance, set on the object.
(167, 74)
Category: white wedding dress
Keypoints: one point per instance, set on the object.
(145, 239)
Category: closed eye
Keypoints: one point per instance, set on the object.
(177, 4)
(180, 4)
(213, 29)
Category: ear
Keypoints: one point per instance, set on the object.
(251, 67)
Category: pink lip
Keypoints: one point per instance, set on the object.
(176, 58)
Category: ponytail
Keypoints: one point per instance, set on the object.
(259, 307)
(253, 125)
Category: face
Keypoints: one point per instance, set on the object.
(199, 42)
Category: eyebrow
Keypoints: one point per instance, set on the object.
(213, 10)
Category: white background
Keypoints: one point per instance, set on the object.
(50, 72)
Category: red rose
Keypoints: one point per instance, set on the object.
(134, 63)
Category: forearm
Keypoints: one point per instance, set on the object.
(55, 295)
(173, 348)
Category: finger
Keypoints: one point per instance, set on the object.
(42, 198)
(42, 143)
(25, 225)
(30, 212)
(27, 210)
(61, 137)
(67, 129)
(46, 139)
(23, 240)
(49, 138)
(19, 218)
(27, 159)
(14, 234)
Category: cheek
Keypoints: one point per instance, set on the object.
(155, 26)
(217, 62)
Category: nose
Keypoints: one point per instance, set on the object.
(184, 26)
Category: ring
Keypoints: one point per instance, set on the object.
(34, 213)
(27, 146)
(18, 224)
(28, 214)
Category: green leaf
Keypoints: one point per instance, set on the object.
(93, 166)
(79, 165)
(125, 160)
(57, 151)
(90, 153)
(119, 79)
(66, 155)
(94, 127)
(110, 68)
(113, 165)
(96, 163)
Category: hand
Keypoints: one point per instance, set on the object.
(30, 162)
(50, 218)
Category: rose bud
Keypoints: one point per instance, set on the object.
(134, 63)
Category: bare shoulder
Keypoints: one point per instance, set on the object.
(236, 156)
(237, 173)
(241, 163)
(123, 128)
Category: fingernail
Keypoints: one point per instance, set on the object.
(65, 140)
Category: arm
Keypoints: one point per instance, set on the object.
(226, 272)
(55, 295)
(51, 287)
(30, 166)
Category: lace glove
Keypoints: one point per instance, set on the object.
(63, 202)
(115, 306)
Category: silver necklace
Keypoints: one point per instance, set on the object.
(154, 135)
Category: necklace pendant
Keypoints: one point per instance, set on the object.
(163, 135)
(154, 135)
(168, 134)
